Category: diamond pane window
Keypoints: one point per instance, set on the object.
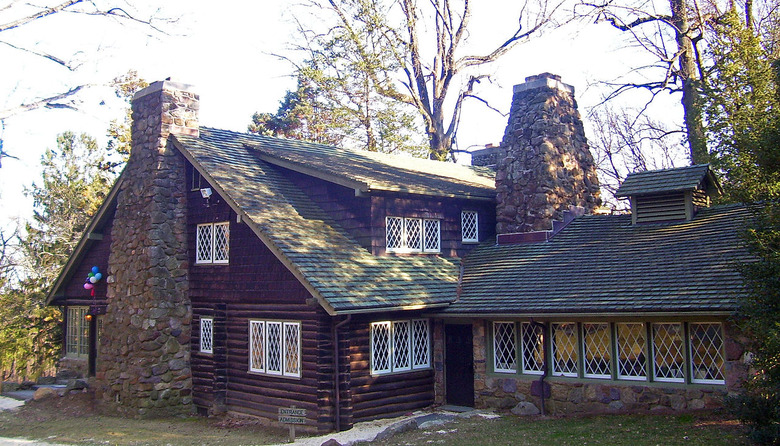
(504, 347)
(256, 346)
(292, 349)
(395, 230)
(221, 242)
(533, 348)
(469, 226)
(206, 335)
(402, 359)
(432, 236)
(668, 357)
(77, 342)
(212, 243)
(203, 250)
(413, 234)
(564, 349)
(421, 348)
(380, 347)
(399, 346)
(273, 348)
(596, 349)
(631, 351)
(706, 354)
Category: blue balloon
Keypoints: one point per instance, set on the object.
(95, 270)
(98, 276)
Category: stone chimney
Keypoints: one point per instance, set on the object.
(143, 364)
(544, 166)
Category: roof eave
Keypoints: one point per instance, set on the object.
(581, 315)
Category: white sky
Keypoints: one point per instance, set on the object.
(225, 50)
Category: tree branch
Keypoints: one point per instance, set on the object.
(49, 102)
(41, 14)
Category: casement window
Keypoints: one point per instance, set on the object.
(212, 243)
(504, 347)
(275, 348)
(412, 234)
(631, 355)
(564, 349)
(668, 352)
(469, 226)
(596, 350)
(400, 346)
(196, 179)
(77, 342)
(206, 335)
(706, 353)
(532, 336)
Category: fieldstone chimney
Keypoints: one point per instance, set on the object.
(544, 166)
(144, 353)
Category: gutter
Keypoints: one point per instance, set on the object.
(336, 368)
(545, 359)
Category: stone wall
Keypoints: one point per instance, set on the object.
(144, 354)
(544, 165)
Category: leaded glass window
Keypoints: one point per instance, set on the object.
(706, 344)
(412, 235)
(399, 346)
(532, 347)
(256, 346)
(597, 350)
(420, 344)
(77, 342)
(564, 349)
(668, 357)
(469, 226)
(504, 347)
(212, 243)
(206, 335)
(275, 348)
(631, 357)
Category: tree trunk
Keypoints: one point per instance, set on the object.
(691, 97)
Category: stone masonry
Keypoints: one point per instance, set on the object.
(143, 364)
(544, 165)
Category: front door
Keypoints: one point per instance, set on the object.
(459, 364)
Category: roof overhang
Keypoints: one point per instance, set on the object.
(624, 315)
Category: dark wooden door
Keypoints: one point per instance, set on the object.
(459, 365)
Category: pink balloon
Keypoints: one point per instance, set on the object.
(88, 286)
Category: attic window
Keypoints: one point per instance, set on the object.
(469, 226)
(212, 243)
(195, 178)
(413, 234)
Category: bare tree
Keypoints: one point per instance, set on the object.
(16, 16)
(428, 67)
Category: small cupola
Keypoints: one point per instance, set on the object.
(669, 194)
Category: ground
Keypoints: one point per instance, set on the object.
(73, 419)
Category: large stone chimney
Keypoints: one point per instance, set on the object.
(144, 353)
(543, 166)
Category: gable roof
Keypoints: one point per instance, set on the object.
(601, 264)
(369, 171)
(343, 276)
(667, 180)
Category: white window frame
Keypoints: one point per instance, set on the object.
(584, 336)
(222, 227)
(654, 346)
(77, 338)
(414, 343)
(207, 335)
(720, 354)
(426, 244)
(526, 347)
(284, 347)
(469, 238)
(511, 366)
(555, 348)
(643, 352)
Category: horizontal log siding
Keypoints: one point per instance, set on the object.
(254, 285)
(381, 396)
(447, 209)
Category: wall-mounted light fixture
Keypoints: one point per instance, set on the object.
(206, 193)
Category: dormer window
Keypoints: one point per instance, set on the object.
(469, 226)
(404, 235)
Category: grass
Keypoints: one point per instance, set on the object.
(617, 430)
(72, 419)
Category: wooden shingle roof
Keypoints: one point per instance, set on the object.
(602, 265)
(341, 274)
(667, 180)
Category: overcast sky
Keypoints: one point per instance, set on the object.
(225, 49)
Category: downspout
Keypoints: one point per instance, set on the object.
(336, 369)
(545, 359)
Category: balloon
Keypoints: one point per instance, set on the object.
(92, 279)
(98, 276)
(88, 286)
(95, 270)
(90, 275)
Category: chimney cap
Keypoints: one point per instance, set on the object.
(543, 80)
(163, 85)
